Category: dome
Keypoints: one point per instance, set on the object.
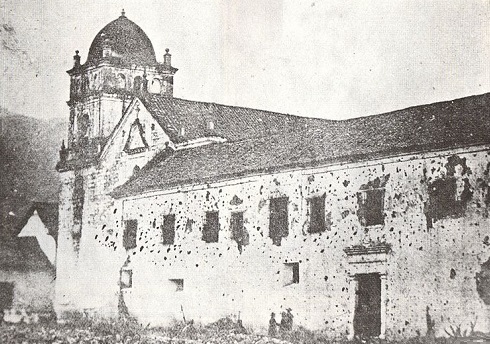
(126, 40)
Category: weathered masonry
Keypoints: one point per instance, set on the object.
(366, 226)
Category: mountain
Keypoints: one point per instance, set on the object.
(28, 154)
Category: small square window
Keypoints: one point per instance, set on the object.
(179, 284)
(291, 273)
(126, 278)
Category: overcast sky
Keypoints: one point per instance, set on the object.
(332, 59)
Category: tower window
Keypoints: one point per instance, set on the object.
(130, 231)
(168, 230)
(317, 214)
(278, 219)
(210, 232)
(78, 200)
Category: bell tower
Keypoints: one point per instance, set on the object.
(121, 64)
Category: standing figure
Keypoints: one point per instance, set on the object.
(287, 320)
(273, 325)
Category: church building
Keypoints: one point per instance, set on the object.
(372, 226)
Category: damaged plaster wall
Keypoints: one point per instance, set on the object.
(432, 263)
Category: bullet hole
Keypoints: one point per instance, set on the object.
(452, 274)
(346, 183)
(325, 278)
(344, 214)
(115, 210)
(188, 225)
(486, 240)
(452, 166)
(236, 200)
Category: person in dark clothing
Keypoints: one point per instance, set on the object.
(273, 325)
(287, 320)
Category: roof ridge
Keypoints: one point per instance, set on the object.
(466, 99)
(255, 109)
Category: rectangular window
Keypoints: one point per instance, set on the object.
(291, 273)
(371, 206)
(210, 231)
(179, 284)
(168, 230)
(278, 219)
(126, 278)
(442, 199)
(238, 232)
(6, 295)
(130, 231)
(317, 214)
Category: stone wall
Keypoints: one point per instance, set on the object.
(87, 265)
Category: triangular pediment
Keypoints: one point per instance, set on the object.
(136, 141)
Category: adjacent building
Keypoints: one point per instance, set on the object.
(27, 256)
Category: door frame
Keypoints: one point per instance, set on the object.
(367, 260)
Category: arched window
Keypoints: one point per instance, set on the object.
(121, 81)
(155, 86)
(83, 125)
(137, 84)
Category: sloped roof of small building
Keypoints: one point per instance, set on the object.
(310, 142)
(16, 212)
(23, 254)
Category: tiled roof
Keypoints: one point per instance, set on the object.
(230, 122)
(314, 142)
(23, 254)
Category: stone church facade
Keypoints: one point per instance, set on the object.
(369, 226)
